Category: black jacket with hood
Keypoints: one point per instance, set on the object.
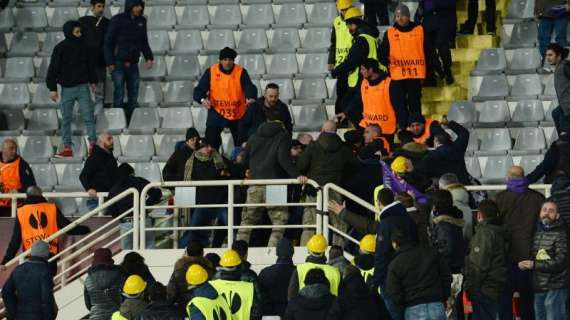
(447, 238)
(93, 30)
(355, 301)
(100, 171)
(358, 52)
(313, 302)
(274, 284)
(102, 291)
(70, 63)
(127, 37)
(550, 254)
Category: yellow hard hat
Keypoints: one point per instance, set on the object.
(353, 13)
(400, 164)
(368, 243)
(230, 259)
(196, 275)
(317, 244)
(343, 4)
(134, 285)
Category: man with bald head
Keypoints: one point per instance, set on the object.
(15, 174)
(325, 160)
(518, 207)
(100, 171)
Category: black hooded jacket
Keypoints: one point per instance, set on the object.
(355, 301)
(313, 302)
(70, 65)
(358, 52)
(93, 31)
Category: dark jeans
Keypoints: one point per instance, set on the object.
(521, 282)
(473, 12)
(128, 76)
(551, 305)
(411, 90)
(437, 38)
(547, 26)
(376, 12)
(484, 308)
(201, 217)
(341, 91)
(561, 122)
(214, 134)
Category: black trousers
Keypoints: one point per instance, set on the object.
(411, 90)
(473, 12)
(341, 92)
(438, 34)
(376, 13)
(214, 134)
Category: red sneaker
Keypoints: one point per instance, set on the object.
(67, 152)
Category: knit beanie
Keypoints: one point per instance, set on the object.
(40, 249)
(284, 248)
(402, 10)
(228, 53)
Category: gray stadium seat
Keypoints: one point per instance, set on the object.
(530, 161)
(194, 17)
(473, 144)
(176, 120)
(24, 44)
(473, 167)
(61, 15)
(530, 139)
(253, 63)
(14, 120)
(527, 85)
(259, 15)
(492, 87)
(37, 148)
(323, 13)
(186, 67)
(520, 9)
(227, 15)
(315, 64)
(524, 34)
(496, 168)
(7, 20)
(308, 118)
(218, 39)
(31, 18)
(166, 147)
(14, 95)
(157, 71)
(45, 175)
(161, 17)
(41, 72)
(211, 59)
(52, 38)
(292, 14)
(111, 120)
(3, 45)
(150, 93)
(67, 206)
(252, 40)
(159, 41)
(199, 115)
(316, 39)
(494, 112)
(528, 111)
(495, 141)
(187, 41)
(524, 60)
(19, 69)
(179, 92)
(139, 148)
(491, 61)
(462, 112)
(42, 121)
(79, 150)
(283, 64)
(41, 98)
(286, 88)
(284, 40)
(312, 89)
(549, 89)
(149, 171)
(69, 180)
(144, 121)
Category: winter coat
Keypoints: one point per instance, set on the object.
(313, 302)
(550, 255)
(519, 215)
(177, 288)
(153, 195)
(132, 308)
(70, 64)
(485, 265)
(461, 201)
(273, 285)
(247, 274)
(100, 171)
(28, 293)
(327, 159)
(267, 153)
(127, 37)
(93, 31)
(421, 219)
(103, 290)
(447, 238)
(160, 311)
(417, 276)
(176, 164)
(355, 301)
(257, 113)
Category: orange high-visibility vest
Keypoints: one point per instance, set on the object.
(226, 94)
(427, 132)
(377, 107)
(386, 144)
(407, 57)
(38, 222)
(10, 178)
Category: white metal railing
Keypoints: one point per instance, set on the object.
(538, 187)
(50, 195)
(230, 205)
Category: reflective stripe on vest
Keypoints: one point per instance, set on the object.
(211, 309)
(427, 133)
(366, 274)
(117, 316)
(38, 222)
(10, 179)
(226, 94)
(377, 106)
(238, 295)
(343, 40)
(353, 76)
(332, 274)
(407, 58)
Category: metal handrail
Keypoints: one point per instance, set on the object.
(48, 195)
(498, 187)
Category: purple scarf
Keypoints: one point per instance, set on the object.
(393, 182)
(517, 185)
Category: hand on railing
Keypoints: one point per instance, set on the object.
(335, 207)
(302, 179)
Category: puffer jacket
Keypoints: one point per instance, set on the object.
(177, 288)
(447, 238)
(550, 254)
(461, 201)
(313, 302)
(103, 291)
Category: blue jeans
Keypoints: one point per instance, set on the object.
(546, 26)
(201, 217)
(550, 305)
(431, 311)
(520, 281)
(484, 308)
(393, 309)
(82, 95)
(130, 76)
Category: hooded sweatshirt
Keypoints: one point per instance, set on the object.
(313, 302)
(70, 64)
